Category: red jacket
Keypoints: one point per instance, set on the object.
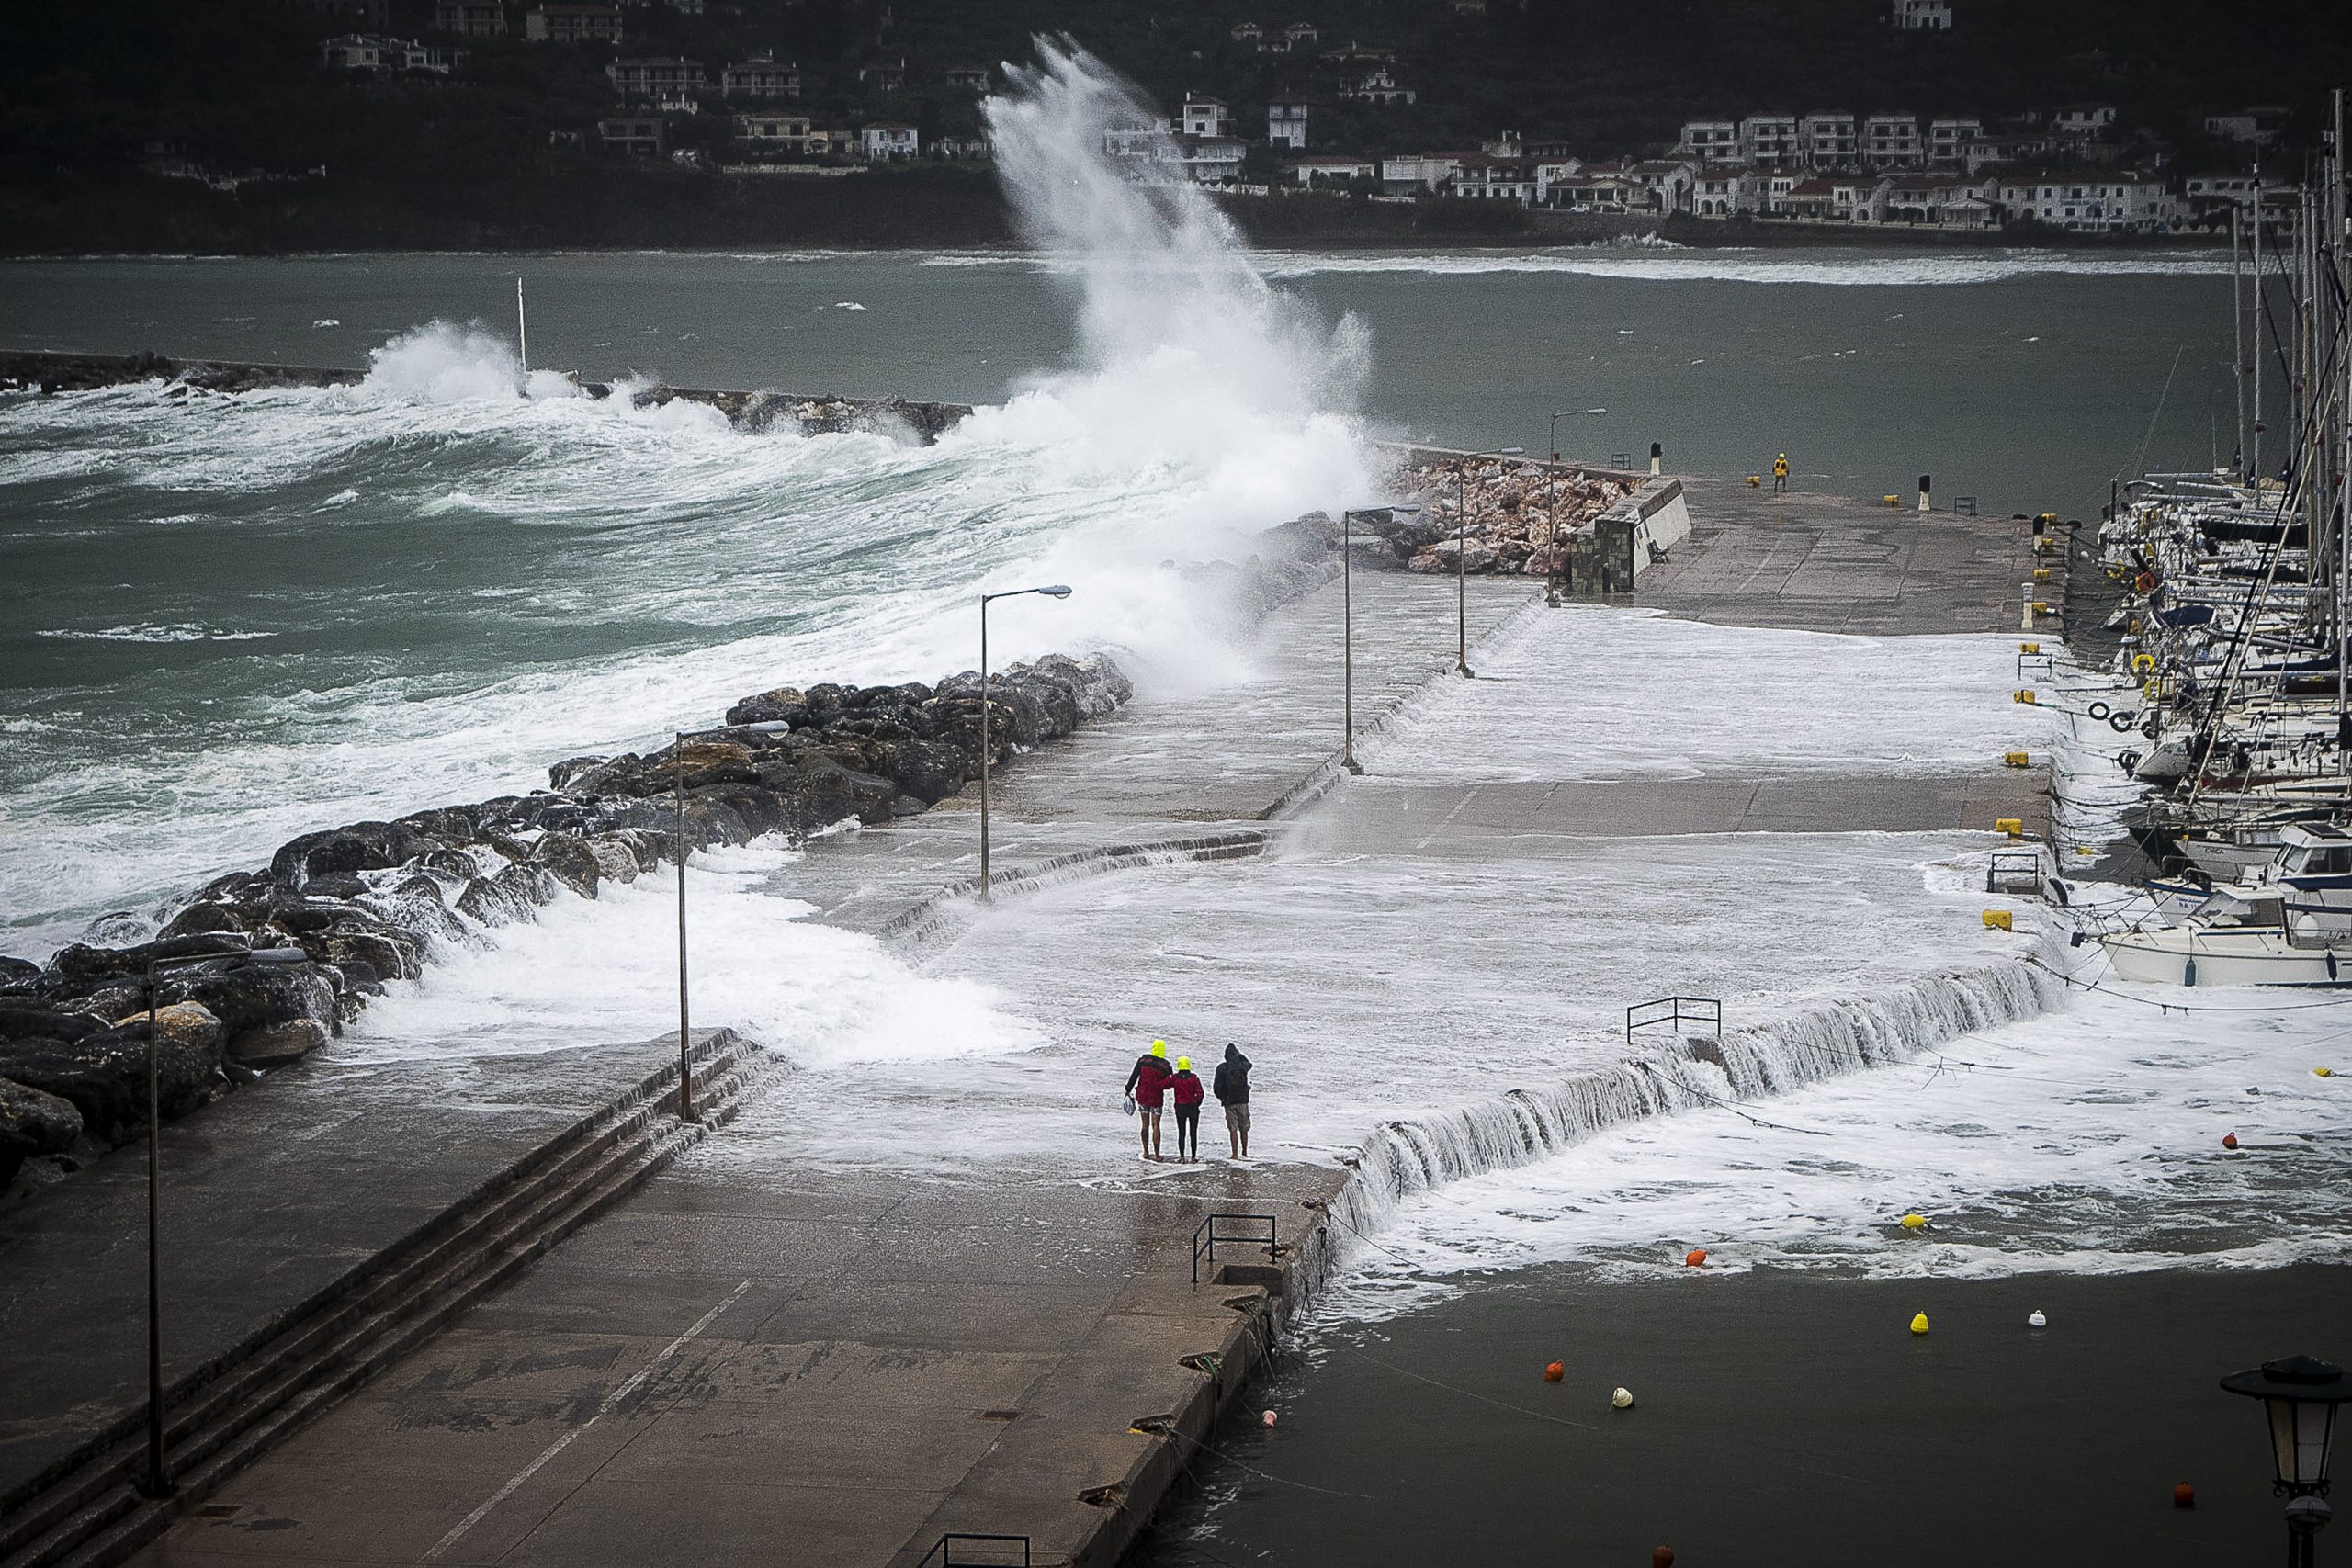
(1187, 1088)
(1147, 1080)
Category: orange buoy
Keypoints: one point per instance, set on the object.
(2145, 582)
(2184, 1496)
(1555, 1372)
(2229, 1140)
(1663, 1557)
(1695, 1258)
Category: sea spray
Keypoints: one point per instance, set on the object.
(1191, 363)
(442, 362)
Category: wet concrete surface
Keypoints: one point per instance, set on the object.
(754, 1362)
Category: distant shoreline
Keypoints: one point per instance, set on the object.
(941, 208)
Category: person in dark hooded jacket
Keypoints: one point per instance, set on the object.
(1231, 1087)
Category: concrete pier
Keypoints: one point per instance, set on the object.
(762, 1356)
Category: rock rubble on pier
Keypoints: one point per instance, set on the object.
(1523, 518)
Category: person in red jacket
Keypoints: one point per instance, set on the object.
(1185, 1089)
(1147, 1082)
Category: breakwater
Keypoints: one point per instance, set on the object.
(761, 411)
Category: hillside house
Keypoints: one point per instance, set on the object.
(1374, 85)
(762, 76)
(1420, 173)
(1860, 199)
(474, 18)
(1948, 140)
(2082, 122)
(1710, 140)
(639, 136)
(884, 76)
(572, 24)
(1923, 15)
(887, 141)
(1813, 200)
(973, 78)
(1494, 179)
(1287, 125)
(2254, 127)
(1725, 190)
(1246, 32)
(1333, 170)
(1204, 116)
(774, 132)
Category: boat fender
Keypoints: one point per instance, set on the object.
(2121, 721)
(2331, 967)
(2145, 583)
(2126, 761)
(2059, 888)
(2100, 710)
(2189, 972)
(2073, 939)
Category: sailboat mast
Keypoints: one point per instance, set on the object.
(521, 328)
(2237, 336)
(2255, 250)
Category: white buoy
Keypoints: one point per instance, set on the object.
(2037, 1320)
(1621, 1399)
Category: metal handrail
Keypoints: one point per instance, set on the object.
(943, 1553)
(1679, 1010)
(1207, 1236)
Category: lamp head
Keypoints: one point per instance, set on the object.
(1509, 451)
(1058, 590)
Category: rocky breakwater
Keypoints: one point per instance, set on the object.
(370, 902)
(757, 412)
(1493, 515)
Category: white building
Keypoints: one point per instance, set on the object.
(1375, 86)
(1419, 173)
(2205, 193)
(1205, 116)
(2255, 127)
(1828, 141)
(888, 141)
(760, 77)
(1722, 190)
(2083, 121)
(1860, 199)
(2095, 203)
(1331, 171)
(1208, 160)
(1769, 141)
(1948, 140)
(1923, 15)
(1710, 141)
(1495, 179)
(1891, 141)
(1287, 125)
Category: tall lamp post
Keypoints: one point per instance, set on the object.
(1055, 591)
(678, 772)
(1348, 625)
(2300, 1395)
(159, 1478)
(1462, 555)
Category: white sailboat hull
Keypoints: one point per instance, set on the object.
(2223, 957)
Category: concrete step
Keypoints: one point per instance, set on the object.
(222, 1417)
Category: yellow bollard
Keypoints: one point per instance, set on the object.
(2015, 759)
(2041, 607)
(1891, 500)
(2024, 697)
(2041, 574)
(1755, 480)
(1998, 920)
(2013, 825)
(2029, 648)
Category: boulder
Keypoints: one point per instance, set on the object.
(104, 1076)
(32, 1123)
(360, 846)
(199, 919)
(253, 995)
(833, 792)
(569, 858)
(18, 977)
(30, 1021)
(784, 705)
(616, 856)
(929, 771)
(278, 1045)
(189, 1024)
(510, 894)
(561, 774)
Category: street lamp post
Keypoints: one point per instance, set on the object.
(678, 772)
(159, 1480)
(1056, 591)
(2300, 1395)
(1347, 626)
(1462, 556)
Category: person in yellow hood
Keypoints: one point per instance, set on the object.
(1780, 473)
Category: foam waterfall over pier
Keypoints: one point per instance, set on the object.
(1416, 1154)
